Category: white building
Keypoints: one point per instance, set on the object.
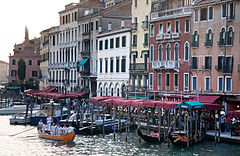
(114, 48)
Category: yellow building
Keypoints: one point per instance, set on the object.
(139, 64)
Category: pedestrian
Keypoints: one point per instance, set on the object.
(222, 122)
(49, 122)
(227, 123)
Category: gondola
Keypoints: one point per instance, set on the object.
(63, 138)
(150, 138)
(178, 139)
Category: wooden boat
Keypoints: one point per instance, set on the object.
(150, 138)
(63, 138)
(178, 139)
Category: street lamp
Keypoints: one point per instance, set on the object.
(127, 85)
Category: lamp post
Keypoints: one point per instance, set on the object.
(127, 85)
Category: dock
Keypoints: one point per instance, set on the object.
(224, 137)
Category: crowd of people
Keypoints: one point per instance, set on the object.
(54, 129)
(226, 121)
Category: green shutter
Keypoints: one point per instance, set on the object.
(211, 40)
(221, 37)
(197, 39)
(206, 39)
(232, 38)
(192, 40)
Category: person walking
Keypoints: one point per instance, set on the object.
(228, 123)
(222, 122)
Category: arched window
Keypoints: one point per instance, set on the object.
(209, 38)
(168, 52)
(151, 53)
(222, 37)
(101, 93)
(176, 52)
(195, 39)
(106, 91)
(118, 93)
(160, 55)
(230, 36)
(112, 92)
(186, 51)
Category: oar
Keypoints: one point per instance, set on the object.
(178, 139)
(23, 131)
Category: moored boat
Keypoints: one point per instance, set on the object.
(150, 138)
(69, 137)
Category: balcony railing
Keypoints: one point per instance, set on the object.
(166, 65)
(63, 65)
(194, 44)
(139, 66)
(167, 36)
(167, 14)
(85, 54)
(135, 26)
(208, 44)
(145, 25)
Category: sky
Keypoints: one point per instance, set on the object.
(37, 15)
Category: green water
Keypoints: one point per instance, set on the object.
(28, 143)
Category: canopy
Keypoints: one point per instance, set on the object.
(206, 98)
(97, 99)
(12, 88)
(235, 113)
(191, 105)
(83, 61)
(209, 106)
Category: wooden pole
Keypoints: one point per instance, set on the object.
(164, 123)
(191, 126)
(174, 125)
(215, 120)
(196, 121)
(159, 124)
(92, 113)
(114, 121)
(127, 130)
(103, 122)
(77, 115)
(119, 118)
(147, 121)
(179, 119)
(98, 110)
(200, 135)
(187, 134)
(219, 128)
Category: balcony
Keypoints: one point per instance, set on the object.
(194, 44)
(85, 54)
(139, 66)
(167, 36)
(171, 13)
(145, 25)
(208, 43)
(134, 26)
(166, 65)
(221, 42)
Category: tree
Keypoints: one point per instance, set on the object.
(21, 69)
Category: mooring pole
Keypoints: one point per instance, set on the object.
(114, 121)
(159, 124)
(187, 134)
(215, 120)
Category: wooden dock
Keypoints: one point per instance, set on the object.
(224, 137)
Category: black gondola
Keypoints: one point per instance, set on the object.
(149, 138)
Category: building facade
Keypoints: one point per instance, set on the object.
(215, 50)
(44, 55)
(169, 47)
(29, 52)
(4, 70)
(139, 65)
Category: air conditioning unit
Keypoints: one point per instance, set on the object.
(99, 29)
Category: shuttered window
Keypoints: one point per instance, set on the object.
(208, 62)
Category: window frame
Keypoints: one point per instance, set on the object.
(189, 25)
(193, 83)
(151, 30)
(227, 77)
(184, 80)
(209, 12)
(151, 80)
(185, 51)
(205, 83)
(167, 87)
(159, 82)
(218, 88)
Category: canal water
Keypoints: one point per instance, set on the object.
(14, 142)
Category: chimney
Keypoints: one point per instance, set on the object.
(122, 23)
(109, 26)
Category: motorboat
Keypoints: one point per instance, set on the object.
(16, 109)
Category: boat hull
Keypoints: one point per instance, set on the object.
(63, 138)
(149, 138)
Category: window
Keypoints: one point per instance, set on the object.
(229, 64)
(34, 73)
(195, 40)
(38, 62)
(194, 62)
(13, 62)
(111, 43)
(13, 73)
(207, 83)
(203, 15)
(220, 62)
(133, 81)
(176, 52)
(160, 28)
(151, 52)
(100, 65)
(228, 83)
(146, 1)
(187, 26)
(30, 62)
(175, 81)
(117, 42)
(209, 38)
(177, 26)
(160, 54)
(124, 41)
(159, 81)
(196, 15)
(231, 11)
(106, 44)
(96, 25)
(145, 39)
(96, 67)
(168, 52)
(106, 65)
(100, 45)
(152, 30)
(151, 81)
(134, 40)
(124, 64)
(117, 65)
(186, 84)
(194, 83)
(220, 83)
(169, 27)
(224, 10)
(210, 13)
(167, 81)
(208, 62)
(186, 51)
(139, 81)
(111, 65)
(222, 37)
(179, 3)
(230, 36)
(146, 81)
(136, 3)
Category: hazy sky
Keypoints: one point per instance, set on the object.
(36, 14)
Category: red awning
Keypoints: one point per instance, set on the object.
(176, 96)
(77, 94)
(235, 113)
(210, 106)
(206, 98)
(31, 91)
(100, 98)
(51, 89)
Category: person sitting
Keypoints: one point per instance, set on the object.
(43, 128)
(52, 129)
(64, 129)
(154, 134)
(40, 123)
(58, 130)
